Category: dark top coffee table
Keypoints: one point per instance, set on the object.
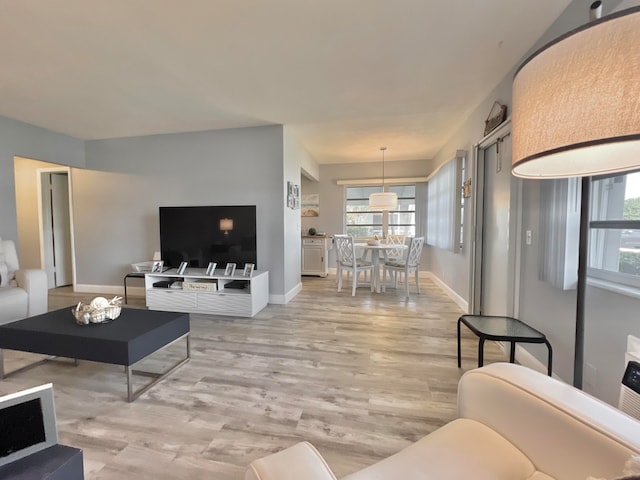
(134, 335)
(502, 329)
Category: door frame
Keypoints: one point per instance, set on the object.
(515, 223)
(39, 172)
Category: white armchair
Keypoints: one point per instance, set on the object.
(513, 423)
(23, 293)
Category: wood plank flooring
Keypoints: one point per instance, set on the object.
(359, 377)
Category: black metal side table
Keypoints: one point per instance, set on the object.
(130, 275)
(502, 329)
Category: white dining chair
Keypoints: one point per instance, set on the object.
(410, 264)
(395, 254)
(348, 262)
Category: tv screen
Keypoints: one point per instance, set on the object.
(203, 234)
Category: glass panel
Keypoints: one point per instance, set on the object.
(403, 191)
(615, 250)
(406, 230)
(616, 198)
(407, 218)
(364, 218)
(406, 205)
(364, 231)
(362, 192)
(358, 205)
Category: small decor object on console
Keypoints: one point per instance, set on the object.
(182, 268)
(157, 266)
(230, 270)
(100, 310)
(248, 269)
(211, 269)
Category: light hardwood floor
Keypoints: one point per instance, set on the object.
(360, 377)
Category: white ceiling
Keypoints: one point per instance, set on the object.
(348, 76)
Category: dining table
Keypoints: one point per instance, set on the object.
(376, 249)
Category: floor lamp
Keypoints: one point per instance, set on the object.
(576, 113)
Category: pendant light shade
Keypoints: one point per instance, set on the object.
(383, 200)
(576, 102)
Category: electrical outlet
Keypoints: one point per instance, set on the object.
(528, 237)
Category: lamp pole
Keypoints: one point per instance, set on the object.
(583, 256)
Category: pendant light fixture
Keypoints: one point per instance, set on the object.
(383, 200)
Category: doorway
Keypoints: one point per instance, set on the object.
(55, 226)
(495, 282)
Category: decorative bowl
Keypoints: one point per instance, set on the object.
(86, 314)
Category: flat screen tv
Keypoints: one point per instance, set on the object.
(202, 234)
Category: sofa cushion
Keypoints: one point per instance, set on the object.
(13, 304)
(4, 274)
(10, 255)
(461, 449)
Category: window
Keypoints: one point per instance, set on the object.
(361, 222)
(403, 220)
(614, 242)
(443, 207)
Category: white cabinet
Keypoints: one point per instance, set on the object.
(195, 292)
(315, 255)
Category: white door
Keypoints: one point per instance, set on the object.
(56, 229)
(498, 231)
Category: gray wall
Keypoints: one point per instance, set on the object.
(296, 159)
(21, 139)
(610, 316)
(116, 201)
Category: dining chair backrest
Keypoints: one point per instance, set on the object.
(345, 249)
(396, 239)
(415, 251)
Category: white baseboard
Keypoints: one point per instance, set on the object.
(286, 298)
(524, 358)
(457, 299)
(110, 289)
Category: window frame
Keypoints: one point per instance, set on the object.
(617, 278)
(384, 225)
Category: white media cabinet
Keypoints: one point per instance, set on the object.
(196, 292)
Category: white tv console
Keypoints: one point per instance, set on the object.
(196, 292)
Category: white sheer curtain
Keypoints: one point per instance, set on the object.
(421, 209)
(442, 194)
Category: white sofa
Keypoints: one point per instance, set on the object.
(514, 423)
(23, 293)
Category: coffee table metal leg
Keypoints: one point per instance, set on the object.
(4, 374)
(127, 371)
(157, 377)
